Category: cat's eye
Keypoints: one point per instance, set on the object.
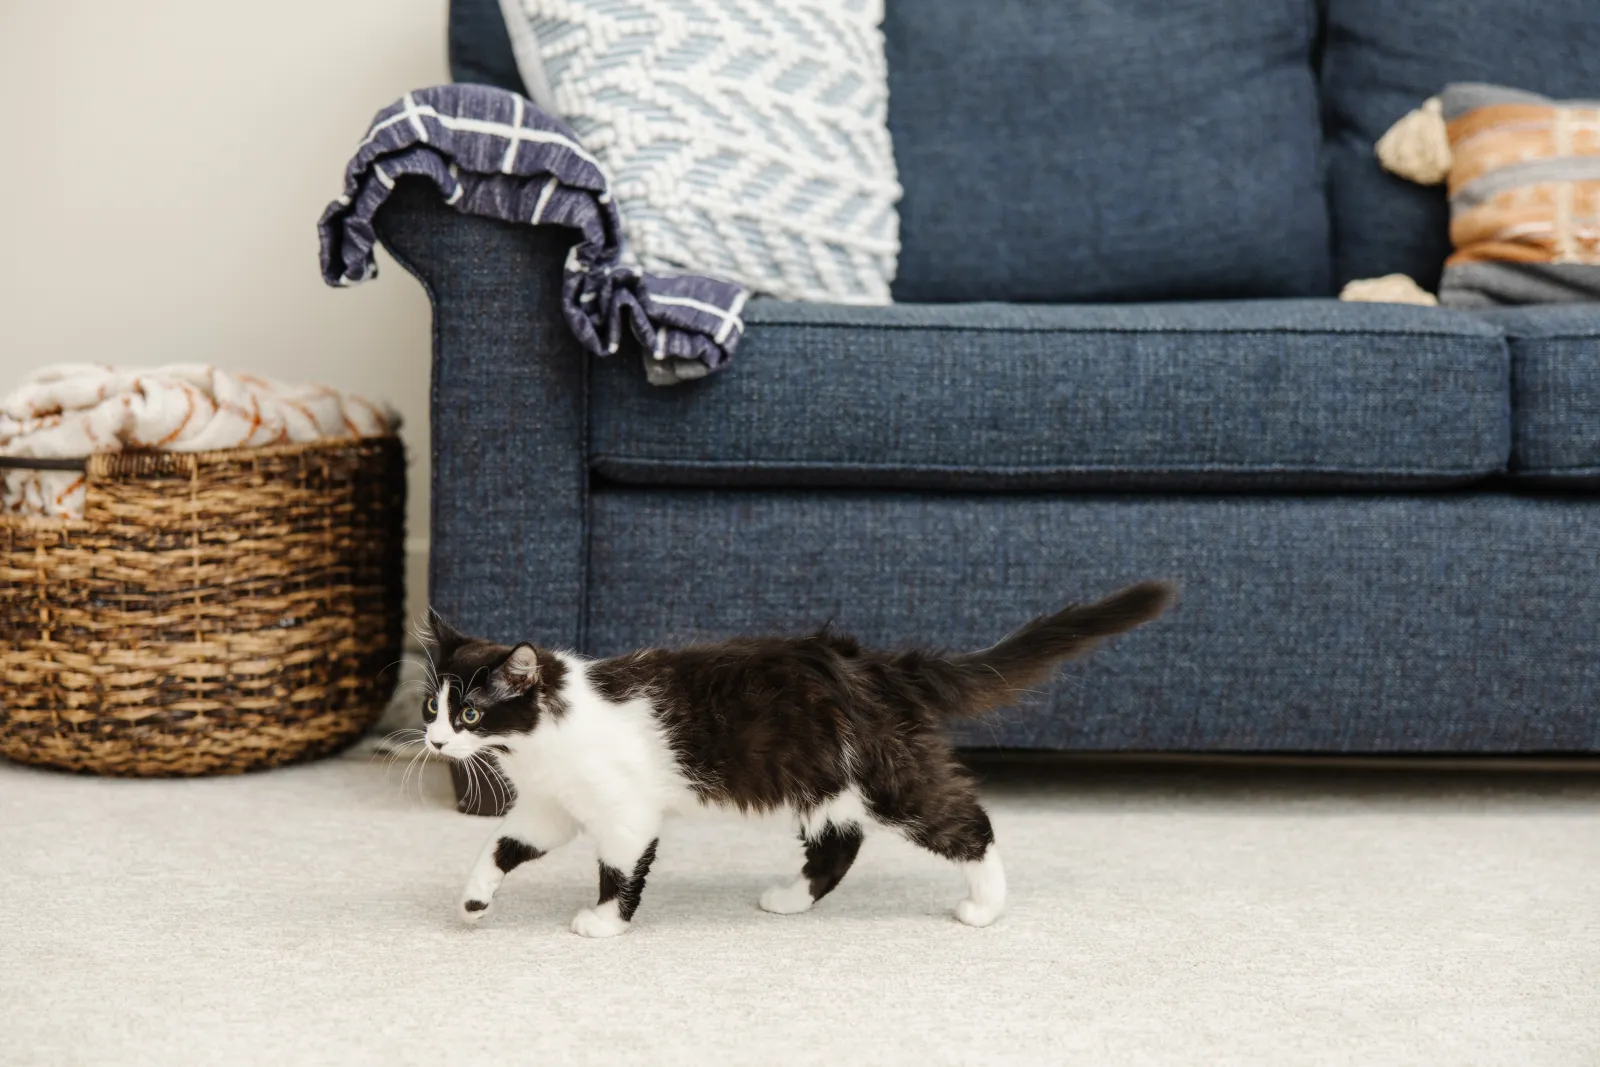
(430, 709)
(470, 715)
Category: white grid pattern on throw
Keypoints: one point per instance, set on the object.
(742, 138)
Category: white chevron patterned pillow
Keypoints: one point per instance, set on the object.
(743, 138)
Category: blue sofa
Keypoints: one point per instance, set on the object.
(1115, 355)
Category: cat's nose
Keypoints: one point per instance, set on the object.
(438, 746)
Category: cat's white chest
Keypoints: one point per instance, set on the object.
(601, 760)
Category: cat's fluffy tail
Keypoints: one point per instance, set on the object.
(995, 676)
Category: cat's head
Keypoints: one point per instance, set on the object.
(481, 695)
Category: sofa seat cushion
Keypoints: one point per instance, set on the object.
(1436, 622)
(1555, 390)
(1293, 393)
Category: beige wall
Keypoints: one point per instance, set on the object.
(162, 169)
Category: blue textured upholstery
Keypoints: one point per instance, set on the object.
(1282, 393)
(508, 489)
(1555, 389)
(1384, 57)
(480, 46)
(1280, 458)
(1445, 622)
(1106, 149)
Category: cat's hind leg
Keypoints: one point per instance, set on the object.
(532, 828)
(830, 850)
(942, 814)
(986, 889)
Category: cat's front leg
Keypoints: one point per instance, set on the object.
(623, 866)
(532, 828)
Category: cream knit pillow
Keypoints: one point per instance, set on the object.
(742, 138)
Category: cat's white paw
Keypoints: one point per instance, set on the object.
(603, 921)
(478, 894)
(972, 913)
(791, 899)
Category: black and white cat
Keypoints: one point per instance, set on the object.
(841, 737)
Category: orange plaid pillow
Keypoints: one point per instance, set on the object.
(1523, 176)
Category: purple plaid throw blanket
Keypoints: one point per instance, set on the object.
(492, 152)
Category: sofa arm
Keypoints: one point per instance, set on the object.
(510, 481)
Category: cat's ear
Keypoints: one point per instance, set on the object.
(440, 636)
(519, 672)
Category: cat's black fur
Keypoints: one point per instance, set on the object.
(763, 722)
(829, 856)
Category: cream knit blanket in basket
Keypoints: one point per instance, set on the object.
(73, 410)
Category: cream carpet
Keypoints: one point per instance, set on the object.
(1160, 915)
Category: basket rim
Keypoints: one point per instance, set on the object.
(144, 461)
(103, 466)
(103, 463)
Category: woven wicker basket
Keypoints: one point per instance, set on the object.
(211, 613)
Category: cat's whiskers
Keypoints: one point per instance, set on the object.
(405, 771)
(470, 794)
(417, 761)
(476, 766)
(395, 742)
(425, 641)
(480, 778)
(401, 662)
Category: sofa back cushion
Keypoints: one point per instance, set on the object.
(1106, 149)
(1382, 58)
(1076, 150)
(480, 46)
